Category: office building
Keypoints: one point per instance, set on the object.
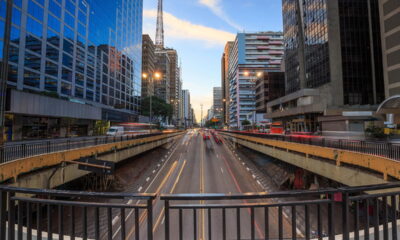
(333, 63)
(269, 87)
(162, 86)
(251, 55)
(225, 82)
(217, 102)
(186, 105)
(71, 63)
(175, 83)
(390, 33)
(148, 66)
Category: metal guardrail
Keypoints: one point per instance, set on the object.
(384, 149)
(339, 212)
(22, 150)
(76, 214)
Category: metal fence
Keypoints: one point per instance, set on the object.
(53, 214)
(384, 149)
(346, 213)
(15, 151)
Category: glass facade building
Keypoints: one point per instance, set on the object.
(86, 51)
(89, 50)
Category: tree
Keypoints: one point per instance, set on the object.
(246, 122)
(159, 107)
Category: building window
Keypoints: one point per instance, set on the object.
(35, 10)
(50, 84)
(51, 69)
(31, 79)
(66, 88)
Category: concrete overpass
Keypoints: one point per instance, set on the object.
(349, 167)
(54, 168)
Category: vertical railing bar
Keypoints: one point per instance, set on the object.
(385, 217)
(223, 224)
(376, 218)
(11, 216)
(29, 220)
(3, 213)
(194, 224)
(331, 220)
(266, 223)
(84, 223)
(97, 223)
(307, 220)
(393, 217)
(109, 223)
(60, 222)
(253, 232)
(180, 225)
(122, 221)
(366, 224)
(294, 233)
(137, 227)
(345, 215)
(319, 222)
(357, 220)
(150, 219)
(39, 221)
(72, 222)
(49, 223)
(280, 222)
(20, 219)
(209, 225)
(238, 223)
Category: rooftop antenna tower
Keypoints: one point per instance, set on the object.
(160, 26)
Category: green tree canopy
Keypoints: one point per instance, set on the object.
(246, 122)
(159, 107)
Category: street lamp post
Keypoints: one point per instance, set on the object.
(157, 76)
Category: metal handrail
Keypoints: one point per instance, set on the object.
(10, 152)
(385, 149)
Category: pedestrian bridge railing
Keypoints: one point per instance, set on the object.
(13, 151)
(343, 213)
(376, 148)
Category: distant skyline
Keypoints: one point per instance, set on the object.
(199, 29)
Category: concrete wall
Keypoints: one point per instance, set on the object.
(346, 175)
(56, 176)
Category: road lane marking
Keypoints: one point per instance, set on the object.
(248, 169)
(148, 187)
(140, 189)
(154, 171)
(172, 190)
(222, 170)
(147, 179)
(254, 176)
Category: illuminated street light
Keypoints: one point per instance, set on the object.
(259, 74)
(246, 73)
(144, 75)
(157, 75)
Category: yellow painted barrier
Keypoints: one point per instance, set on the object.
(14, 168)
(386, 166)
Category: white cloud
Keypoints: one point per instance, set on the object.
(182, 29)
(216, 8)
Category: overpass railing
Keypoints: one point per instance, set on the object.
(53, 214)
(384, 149)
(345, 213)
(15, 151)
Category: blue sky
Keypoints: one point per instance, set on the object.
(199, 29)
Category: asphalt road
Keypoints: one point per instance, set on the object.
(198, 166)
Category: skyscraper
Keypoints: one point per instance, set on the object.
(77, 59)
(251, 55)
(225, 82)
(333, 63)
(148, 66)
(217, 102)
